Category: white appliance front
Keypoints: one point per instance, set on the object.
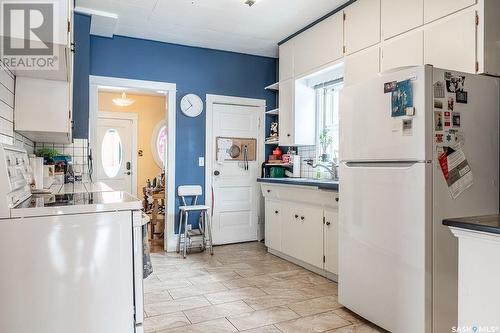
(60, 263)
(367, 130)
(384, 244)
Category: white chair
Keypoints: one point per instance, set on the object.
(205, 225)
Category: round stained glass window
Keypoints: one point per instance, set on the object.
(111, 153)
(159, 143)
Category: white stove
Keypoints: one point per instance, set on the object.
(70, 262)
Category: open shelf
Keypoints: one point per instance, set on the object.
(274, 143)
(273, 112)
(279, 164)
(274, 86)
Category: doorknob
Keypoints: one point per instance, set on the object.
(128, 166)
(128, 173)
(328, 223)
(216, 172)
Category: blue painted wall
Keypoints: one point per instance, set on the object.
(194, 70)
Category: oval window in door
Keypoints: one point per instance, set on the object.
(111, 153)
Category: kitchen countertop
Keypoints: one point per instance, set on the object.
(323, 184)
(486, 223)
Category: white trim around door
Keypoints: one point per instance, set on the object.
(170, 91)
(212, 100)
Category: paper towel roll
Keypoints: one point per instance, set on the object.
(296, 166)
(36, 164)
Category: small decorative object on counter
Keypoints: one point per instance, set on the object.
(277, 152)
(274, 130)
(325, 140)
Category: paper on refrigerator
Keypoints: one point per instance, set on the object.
(456, 170)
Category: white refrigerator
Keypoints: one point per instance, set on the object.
(397, 262)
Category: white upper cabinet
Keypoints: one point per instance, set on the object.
(434, 9)
(405, 50)
(362, 66)
(286, 60)
(451, 44)
(42, 110)
(362, 25)
(319, 45)
(399, 16)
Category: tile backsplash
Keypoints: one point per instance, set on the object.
(306, 171)
(7, 133)
(78, 150)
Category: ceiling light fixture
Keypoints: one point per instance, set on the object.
(123, 101)
(250, 3)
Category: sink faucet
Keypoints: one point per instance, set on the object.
(332, 170)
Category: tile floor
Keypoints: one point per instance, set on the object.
(242, 288)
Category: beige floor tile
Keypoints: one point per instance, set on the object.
(214, 277)
(270, 301)
(312, 324)
(234, 295)
(181, 274)
(254, 281)
(176, 305)
(157, 297)
(165, 321)
(166, 284)
(315, 305)
(350, 316)
(217, 311)
(265, 329)
(262, 318)
(359, 328)
(215, 326)
(329, 289)
(197, 290)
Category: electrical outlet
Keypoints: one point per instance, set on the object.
(201, 161)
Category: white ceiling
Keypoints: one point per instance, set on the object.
(218, 24)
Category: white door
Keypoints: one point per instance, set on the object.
(286, 60)
(405, 50)
(113, 154)
(457, 53)
(385, 242)
(362, 25)
(287, 115)
(236, 193)
(274, 212)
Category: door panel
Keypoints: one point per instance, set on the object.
(399, 16)
(113, 154)
(362, 66)
(405, 51)
(457, 53)
(435, 9)
(286, 105)
(331, 240)
(286, 60)
(385, 242)
(303, 225)
(362, 25)
(273, 224)
(369, 132)
(236, 194)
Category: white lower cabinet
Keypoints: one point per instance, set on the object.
(273, 224)
(302, 223)
(331, 240)
(302, 232)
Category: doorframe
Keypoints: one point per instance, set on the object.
(260, 105)
(170, 91)
(132, 117)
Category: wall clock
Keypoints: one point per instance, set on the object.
(191, 105)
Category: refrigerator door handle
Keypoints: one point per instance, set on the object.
(383, 164)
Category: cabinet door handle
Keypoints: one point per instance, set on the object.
(269, 191)
(276, 212)
(328, 223)
(288, 135)
(296, 216)
(302, 218)
(337, 199)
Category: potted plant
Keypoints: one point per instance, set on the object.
(48, 155)
(325, 140)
